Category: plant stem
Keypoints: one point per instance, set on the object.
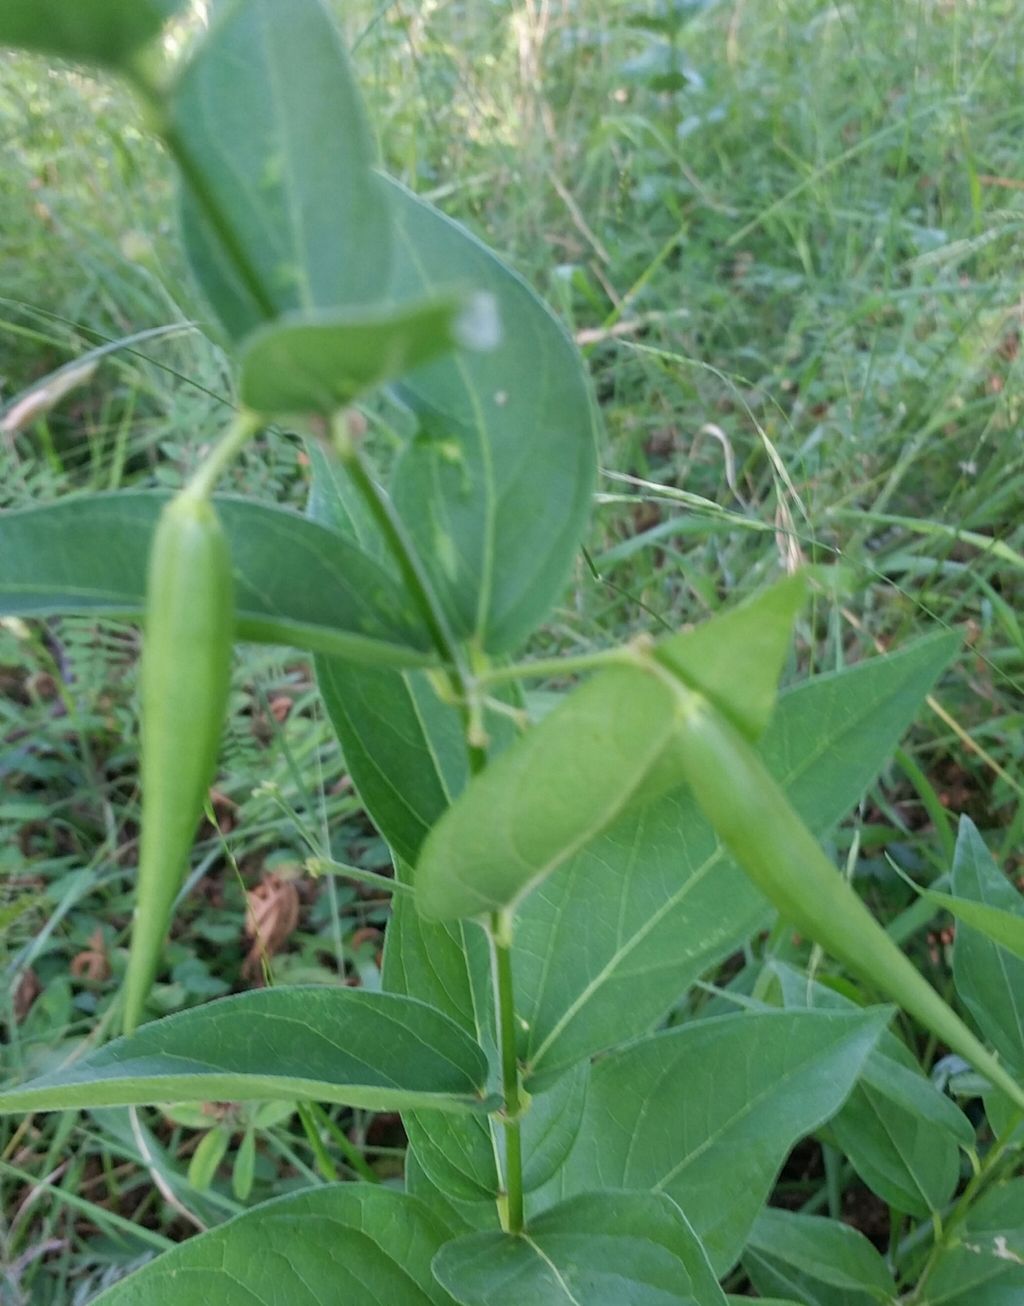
(961, 1210)
(403, 551)
(157, 107)
(501, 939)
(243, 427)
(544, 668)
(385, 883)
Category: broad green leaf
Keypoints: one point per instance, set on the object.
(334, 502)
(598, 1249)
(906, 1160)
(320, 363)
(404, 748)
(984, 1265)
(463, 1217)
(899, 1132)
(549, 794)
(708, 1112)
(281, 212)
(989, 978)
(551, 1125)
(459, 1155)
(736, 659)
(822, 1262)
(374, 1050)
(296, 582)
(674, 902)
(1005, 1118)
(99, 31)
(496, 487)
(449, 966)
(351, 1244)
(897, 1077)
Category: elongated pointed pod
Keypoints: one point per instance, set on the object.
(185, 677)
(771, 843)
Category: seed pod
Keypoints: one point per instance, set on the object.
(755, 821)
(185, 677)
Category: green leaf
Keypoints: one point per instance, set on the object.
(899, 1132)
(598, 1249)
(404, 748)
(548, 795)
(496, 488)
(319, 364)
(100, 31)
(989, 978)
(280, 208)
(463, 1217)
(244, 1170)
(334, 502)
(736, 659)
(457, 1153)
(449, 966)
(374, 1050)
(676, 902)
(823, 1262)
(708, 1112)
(551, 1125)
(206, 1159)
(348, 1243)
(296, 583)
(984, 1266)
(907, 1161)
(1005, 1118)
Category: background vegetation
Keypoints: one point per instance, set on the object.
(789, 236)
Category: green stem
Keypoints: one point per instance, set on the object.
(157, 108)
(392, 528)
(243, 427)
(961, 1210)
(324, 866)
(501, 939)
(545, 668)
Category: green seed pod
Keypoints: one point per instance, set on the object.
(755, 821)
(185, 678)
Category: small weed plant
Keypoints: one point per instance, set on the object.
(561, 878)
